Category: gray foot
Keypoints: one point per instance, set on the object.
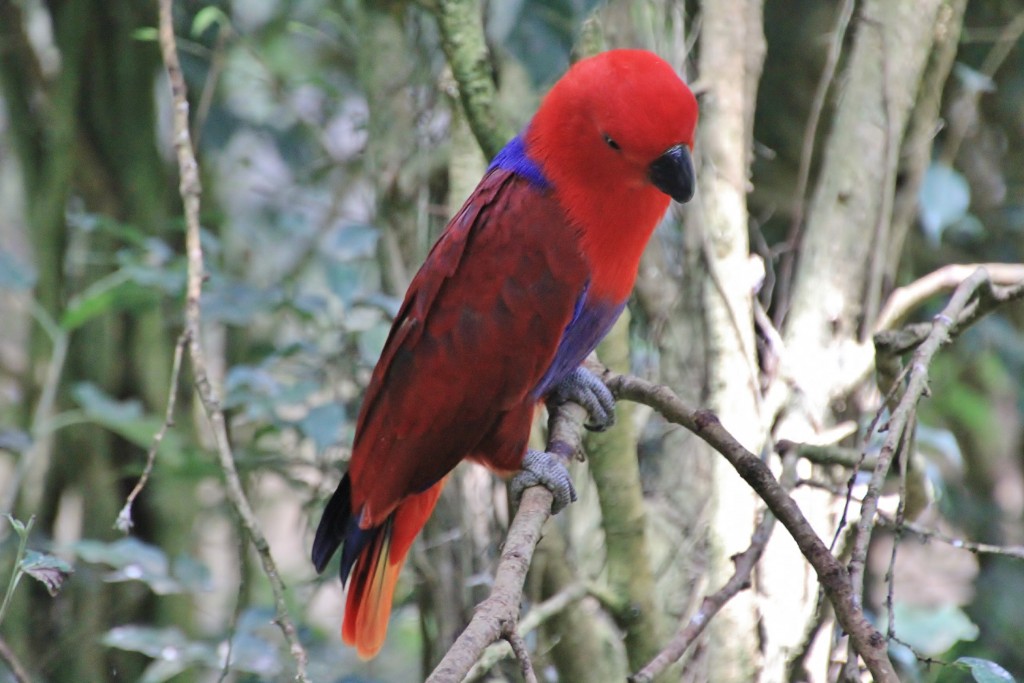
(585, 388)
(548, 471)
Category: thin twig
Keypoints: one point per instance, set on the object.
(901, 508)
(19, 555)
(124, 518)
(13, 663)
(904, 300)
(849, 458)
(522, 653)
(899, 420)
(744, 563)
(854, 474)
(190, 190)
(1014, 551)
(236, 613)
(224, 32)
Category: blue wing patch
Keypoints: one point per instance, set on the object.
(590, 322)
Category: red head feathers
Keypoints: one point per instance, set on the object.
(603, 136)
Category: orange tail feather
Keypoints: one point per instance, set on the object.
(373, 580)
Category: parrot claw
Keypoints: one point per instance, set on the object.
(585, 388)
(547, 470)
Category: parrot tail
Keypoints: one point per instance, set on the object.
(372, 558)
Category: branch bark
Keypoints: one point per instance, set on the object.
(500, 611)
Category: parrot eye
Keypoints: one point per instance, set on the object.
(608, 140)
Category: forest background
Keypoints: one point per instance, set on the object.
(849, 154)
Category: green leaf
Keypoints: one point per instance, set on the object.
(252, 650)
(17, 524)
(133, 560)
(255, 655)
(985, 671)
(99, 405)
(237, 303)
(253, 389)
(116, 291)
(323, 424)
(351, 242)
(163, 644)
(146, 34)
(207, 17)
(160, 670)
(974, 81)
(49, 570)
(125, 418)
(933, 630)
(192, 574)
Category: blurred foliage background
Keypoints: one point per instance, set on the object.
(332, 153)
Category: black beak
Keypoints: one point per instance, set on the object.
(673, 174)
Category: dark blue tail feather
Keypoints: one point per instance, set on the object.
(339, 527)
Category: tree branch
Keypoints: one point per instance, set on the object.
(465, 46)
(904, 300)
(1014, 551)
(500, 611)
(13, 663)
(124, 521)
(902, 415)
(534, 618)
(191, 191)
(834, 579)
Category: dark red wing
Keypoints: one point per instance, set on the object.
(479, 327)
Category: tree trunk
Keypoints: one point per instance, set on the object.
(731, 54)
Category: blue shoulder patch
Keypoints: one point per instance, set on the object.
(513, 158)
(590, 322)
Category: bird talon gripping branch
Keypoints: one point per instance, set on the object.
(524, 282)
(585, 388)
(544, 469)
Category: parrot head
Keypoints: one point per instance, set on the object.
(619, 124)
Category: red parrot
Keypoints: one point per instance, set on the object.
(524, 282)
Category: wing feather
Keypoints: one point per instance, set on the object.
(477, 332)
